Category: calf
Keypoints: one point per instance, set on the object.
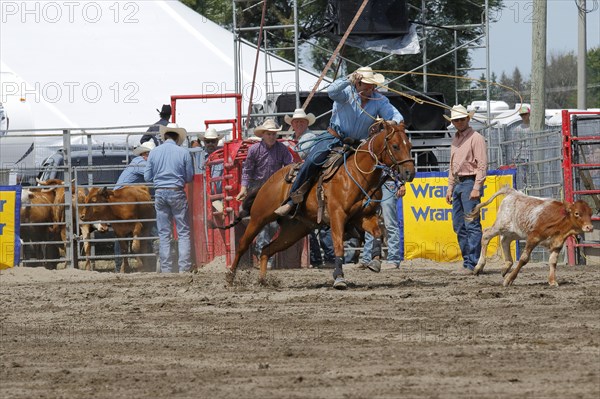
(37, 210)
(58, 215)
(536, 220)
(128, 206)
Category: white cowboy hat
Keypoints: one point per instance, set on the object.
(146, 146)
(173, 127)
(369, 77)
(300, 114)
(458, 112)
(211, 134)
(269, 125)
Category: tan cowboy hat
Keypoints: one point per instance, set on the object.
(146, 146)
(300, 114)
(269, 125)
(369, 77)
(173, 127)
(458, 112)
(211, 134)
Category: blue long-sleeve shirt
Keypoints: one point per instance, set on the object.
(348, 114)
(133, 173)
(169, 165)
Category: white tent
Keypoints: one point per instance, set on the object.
(95, 63)
(91, 64)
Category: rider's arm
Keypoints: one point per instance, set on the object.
(336, 90)
(388, 112)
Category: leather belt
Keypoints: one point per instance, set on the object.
(169, 188)
(334, 133)
(467, 177)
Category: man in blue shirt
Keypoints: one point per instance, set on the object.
(356, 106)
(134, 172)
(170, 167)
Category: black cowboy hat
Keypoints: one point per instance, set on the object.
(166, 109)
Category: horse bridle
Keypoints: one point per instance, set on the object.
(387, 148)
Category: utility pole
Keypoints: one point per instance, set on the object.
(538, 66)
(581, 57)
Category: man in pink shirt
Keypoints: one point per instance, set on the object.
(468, 169)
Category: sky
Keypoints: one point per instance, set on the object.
(511, 35)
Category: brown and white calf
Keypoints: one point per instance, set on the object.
(538, 221)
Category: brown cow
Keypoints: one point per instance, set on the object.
(98, 208)
(37, 209)
(58, 214)
(536, 220)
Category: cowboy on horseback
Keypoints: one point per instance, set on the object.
(356, 106)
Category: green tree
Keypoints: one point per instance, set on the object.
(593, 77)
(440, 38)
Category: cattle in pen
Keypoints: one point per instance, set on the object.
(119, 206)
(538, 221)
(59, 228)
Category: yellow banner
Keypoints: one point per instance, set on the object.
(10, 207)
(428, 229)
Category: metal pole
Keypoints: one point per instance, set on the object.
(487, 61)
(581, 57)
(296, 60)
(70, 239)
(424, 13)
(538, 66)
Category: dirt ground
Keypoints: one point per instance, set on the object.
(420, 331)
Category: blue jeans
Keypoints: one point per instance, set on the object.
(172, 205)
(314, 160)
(468, 233)
(389, 211)
(323, 240)
(265, 237)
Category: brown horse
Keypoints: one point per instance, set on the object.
(345, 198)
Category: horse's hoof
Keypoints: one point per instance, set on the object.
(340, 283)
(374, 266)
(229, 276)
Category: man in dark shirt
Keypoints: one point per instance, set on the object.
(152, 132)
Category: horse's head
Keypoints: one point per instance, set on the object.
(392, 148)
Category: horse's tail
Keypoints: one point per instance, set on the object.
(504, 190)
(245, 210)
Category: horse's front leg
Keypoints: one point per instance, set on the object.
(337, 223)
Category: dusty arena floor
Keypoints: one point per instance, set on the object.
(421, 331)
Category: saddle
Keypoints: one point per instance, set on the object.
(328, 169)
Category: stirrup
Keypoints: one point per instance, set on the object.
(283, 210)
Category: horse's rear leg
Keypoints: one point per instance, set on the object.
(290, 232)
(251, 232)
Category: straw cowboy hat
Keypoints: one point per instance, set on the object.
(458, 112)
(211, 134)
(173, 127)
(144, 147)
(269, 125)
(369, 77)
(524, 110)
(300, 114)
